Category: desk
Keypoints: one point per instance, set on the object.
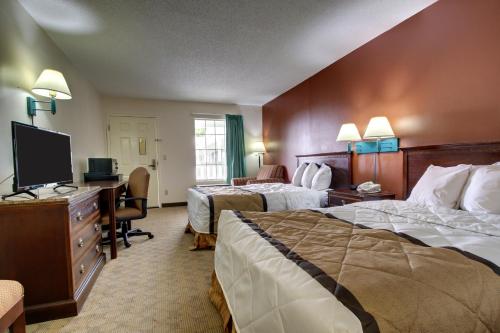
(110, 190)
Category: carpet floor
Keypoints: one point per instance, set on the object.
(156, 285)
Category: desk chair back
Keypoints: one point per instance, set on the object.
(138, 184)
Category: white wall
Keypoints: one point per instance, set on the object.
(25, 50)
(176, 131)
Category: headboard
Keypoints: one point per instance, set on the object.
(417, 159)
(341, 163)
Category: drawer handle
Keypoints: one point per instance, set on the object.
(79, 216)
(82, 268)
(96, 227)
(97, 248)
(81, 243)
(94, 205)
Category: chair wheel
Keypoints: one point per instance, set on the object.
(151, 236)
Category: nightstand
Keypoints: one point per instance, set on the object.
(345, 196)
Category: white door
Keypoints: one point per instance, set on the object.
(132, 141)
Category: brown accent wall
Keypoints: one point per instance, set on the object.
(436, 76)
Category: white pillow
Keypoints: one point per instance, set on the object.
(483, 192)
(440, 186)
(308, 175)
(472, 171)
(322, 179)
(297, 175)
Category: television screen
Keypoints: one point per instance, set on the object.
(40, 157)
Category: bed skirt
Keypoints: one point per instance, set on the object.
(201, 241)
(219, 301)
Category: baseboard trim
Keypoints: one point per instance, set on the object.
(174, 204)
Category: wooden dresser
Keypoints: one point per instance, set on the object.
(52, 246)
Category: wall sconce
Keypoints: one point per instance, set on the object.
(348, 133)
(50, 83)
(379, 129)
(259, 149)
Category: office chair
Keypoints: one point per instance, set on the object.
(135, 208)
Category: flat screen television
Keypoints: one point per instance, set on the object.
(41, 157)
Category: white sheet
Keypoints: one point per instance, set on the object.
(435, 226)
(268, 293)
(279, 197)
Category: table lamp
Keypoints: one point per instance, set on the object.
(348, 133)
(259, 149)
(378, 128)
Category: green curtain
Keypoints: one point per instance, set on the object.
(235, 147)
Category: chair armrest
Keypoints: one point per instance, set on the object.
(144, 203)
(264, 181)
(241, 181)
(132, 198)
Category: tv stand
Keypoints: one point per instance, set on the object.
(5, 196)
(64, 185)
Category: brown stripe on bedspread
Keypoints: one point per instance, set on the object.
(391, 282)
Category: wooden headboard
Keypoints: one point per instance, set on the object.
(417, 159)
(341, 163)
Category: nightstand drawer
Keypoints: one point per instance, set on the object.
(344, 197)
(340, 201)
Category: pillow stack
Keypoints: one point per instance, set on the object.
(475, 188)
(308, 175)
(311, 176)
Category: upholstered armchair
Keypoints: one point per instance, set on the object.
(267, 174)
(11, 307)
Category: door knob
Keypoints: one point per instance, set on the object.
(153, 164)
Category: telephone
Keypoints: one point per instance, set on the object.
(369, 187)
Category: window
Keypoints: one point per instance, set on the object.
(210, 144)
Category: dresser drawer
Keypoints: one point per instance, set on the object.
(83, 266)
(88, 236)
(84, 212)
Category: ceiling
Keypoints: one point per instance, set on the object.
(229, 51)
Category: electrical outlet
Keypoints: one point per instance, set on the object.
(166, 192)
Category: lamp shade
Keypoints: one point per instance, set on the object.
(378, 127)
(348, 132)
(258, 147)
(51, 83)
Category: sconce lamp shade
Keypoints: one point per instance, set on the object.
(51, 83)
(258, 147)
(348, 132)
(378, 127)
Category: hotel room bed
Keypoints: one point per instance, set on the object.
(360, 268)
(206, 202)
(385, 266)
(277, 197)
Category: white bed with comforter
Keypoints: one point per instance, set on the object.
(278, 196)
(267, 292)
